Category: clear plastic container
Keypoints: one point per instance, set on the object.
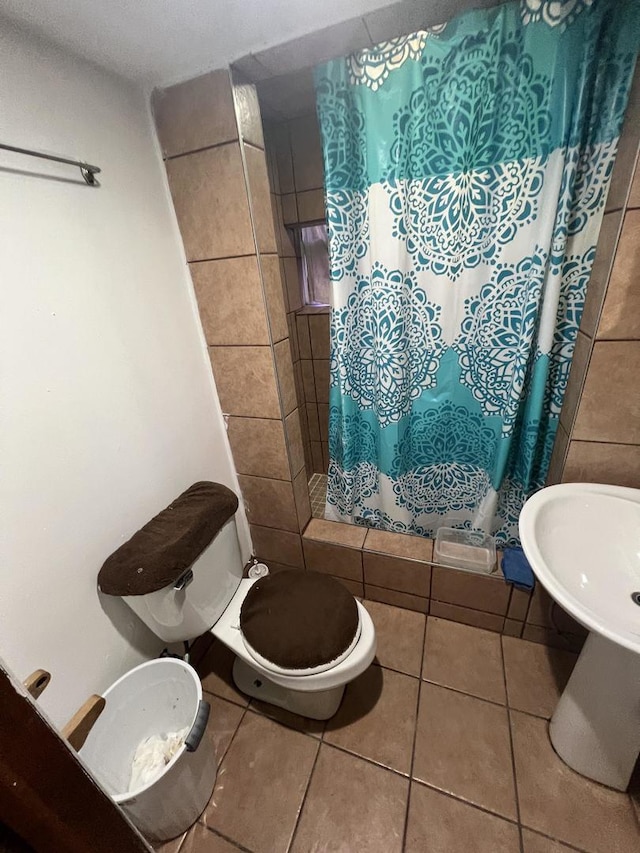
(471, 550)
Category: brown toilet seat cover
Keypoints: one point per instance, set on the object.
(161, 551)
(299, 619)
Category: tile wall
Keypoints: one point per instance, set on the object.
(599, 435)
(294, 159)
(211, 136)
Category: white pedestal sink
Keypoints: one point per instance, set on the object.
(583, 543)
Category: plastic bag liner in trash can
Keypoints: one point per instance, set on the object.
(155, 698)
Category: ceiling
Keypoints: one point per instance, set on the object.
(157, 42)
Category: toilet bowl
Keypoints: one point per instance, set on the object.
(311, 694)
(208, 596)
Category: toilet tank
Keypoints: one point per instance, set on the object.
(176, 614)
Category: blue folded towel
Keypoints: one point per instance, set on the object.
(516, 569)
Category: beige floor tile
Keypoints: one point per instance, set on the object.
(536, 675)
(215, 673)
(465, 658)
(463, 748)
(440, 824)
(377, 718)
(224, 719)
(534, 843)
(351, 805)
(261, 784)
(202, 840)
(399, 633)
(555, 800)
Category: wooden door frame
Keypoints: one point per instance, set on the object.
(47, 797)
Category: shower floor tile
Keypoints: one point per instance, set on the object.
(318, 494)
(417, 758)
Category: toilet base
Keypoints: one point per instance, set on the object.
(320, 705)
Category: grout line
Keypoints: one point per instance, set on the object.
(513, 756)
(415, 735)
(171, 157)
(228, 839)
(306, 792)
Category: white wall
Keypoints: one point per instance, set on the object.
(108, 406)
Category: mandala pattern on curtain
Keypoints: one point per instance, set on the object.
(466, 172)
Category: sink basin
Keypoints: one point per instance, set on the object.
(583, 543)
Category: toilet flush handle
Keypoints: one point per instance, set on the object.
(183, 581)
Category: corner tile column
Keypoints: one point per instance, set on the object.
(211, 137)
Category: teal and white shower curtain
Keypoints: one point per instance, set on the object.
(466, 171)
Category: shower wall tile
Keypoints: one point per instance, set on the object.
(599, 462)
(304, 336)
(310, 206)
(196, 114)
(466, 589)
(399, 545)
(620, 318)
(308, 382)
(293, 336)
(230, 301)
(306, 149)
(262, 212)
(312, 418)
(556, 465)
(317, 459)
(395, 573)
(294, 292)
(354, 587)
(599, 277)
(289, 209)
(475, 618)
(319, 333)
(283, 158)
(609, 409)
(325, 456)
(211, 203)
(336, 533)
(269, 503)
(333, 559)
(396, 599)
(323, 418)
(519, 604)
(301, 497)
(293, 431)
(321, 372)
(512, 628)
(274, 296)
(259, 447)
(286, 382)
(578, 371)
(278, 545)
(246, 381)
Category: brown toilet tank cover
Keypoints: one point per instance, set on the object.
(299, 619)
(161, 551)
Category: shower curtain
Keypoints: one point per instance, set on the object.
(466, 172)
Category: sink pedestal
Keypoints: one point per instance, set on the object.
(596, 727)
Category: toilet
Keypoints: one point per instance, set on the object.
(298, 636)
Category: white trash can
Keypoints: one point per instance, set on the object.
(157, 697)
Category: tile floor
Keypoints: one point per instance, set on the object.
(440, 747)
(318, 494)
